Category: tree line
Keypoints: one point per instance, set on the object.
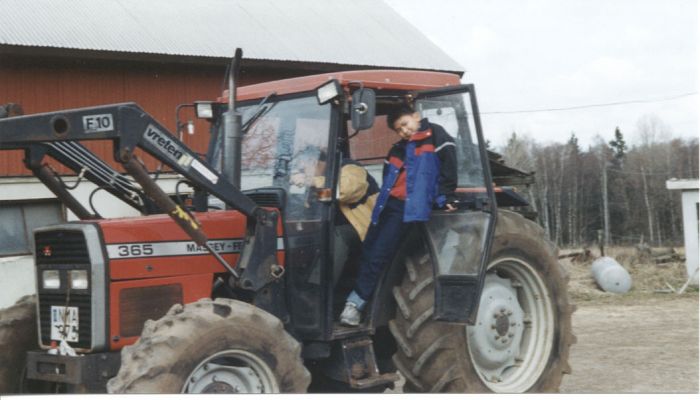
(612, 191)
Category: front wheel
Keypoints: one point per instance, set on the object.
(18, 334)
(219, 346)
(520, 341)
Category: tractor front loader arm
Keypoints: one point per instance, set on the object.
(85, 164)
(129, 127)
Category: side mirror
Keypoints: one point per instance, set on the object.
(364, 106)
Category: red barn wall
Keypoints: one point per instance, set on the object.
(46, 84)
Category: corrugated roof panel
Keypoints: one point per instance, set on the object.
(358, 32)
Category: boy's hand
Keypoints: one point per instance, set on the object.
(298, 179)
(449, 207)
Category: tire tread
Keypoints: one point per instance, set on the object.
(429, 351)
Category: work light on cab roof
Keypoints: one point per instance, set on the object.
(328, 91)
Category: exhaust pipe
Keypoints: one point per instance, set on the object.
(233, 137)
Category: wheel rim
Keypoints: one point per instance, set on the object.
(511, 341)
(231, 371)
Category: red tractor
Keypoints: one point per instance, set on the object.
(238, 288)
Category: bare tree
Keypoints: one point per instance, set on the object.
(652, 129)
(612, 186)
(542, 182)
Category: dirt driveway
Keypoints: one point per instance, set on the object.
(646, 344)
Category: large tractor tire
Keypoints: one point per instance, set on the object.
(520, 341)
(212, 346)
(18, 334)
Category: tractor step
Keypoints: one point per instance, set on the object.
(361, 365)
(345, 332)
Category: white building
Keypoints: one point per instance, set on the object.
(31, 205)
(691, 222)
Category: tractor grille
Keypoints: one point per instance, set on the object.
(82, 301)
(62, 251)
(61, 247)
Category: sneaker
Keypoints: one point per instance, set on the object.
(350, 316)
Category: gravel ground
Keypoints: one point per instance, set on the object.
(644, 341)
(638, 344)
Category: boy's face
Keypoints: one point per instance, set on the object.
(407, 125)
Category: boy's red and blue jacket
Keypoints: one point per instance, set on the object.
(422, 171)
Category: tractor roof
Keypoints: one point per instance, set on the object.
(374, 79)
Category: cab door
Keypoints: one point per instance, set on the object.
(460, 241)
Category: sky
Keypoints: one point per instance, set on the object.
(544, 54)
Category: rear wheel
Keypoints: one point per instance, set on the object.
(520, 341)
(219, 346)
(512, 339)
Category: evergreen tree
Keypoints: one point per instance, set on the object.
(573, 144)
(619, 148)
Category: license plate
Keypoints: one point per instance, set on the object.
(64, 323)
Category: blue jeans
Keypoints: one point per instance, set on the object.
(378, 250)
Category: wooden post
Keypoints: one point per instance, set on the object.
(606, 210)
(650, 212)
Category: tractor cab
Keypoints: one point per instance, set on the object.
(298, 133)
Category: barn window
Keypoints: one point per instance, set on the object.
(20, 219)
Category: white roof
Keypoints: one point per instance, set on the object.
(682, 184)
(348, 32)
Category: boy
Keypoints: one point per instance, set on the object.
(420, 172)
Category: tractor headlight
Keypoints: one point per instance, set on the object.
(78, 279)
(50, 279)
